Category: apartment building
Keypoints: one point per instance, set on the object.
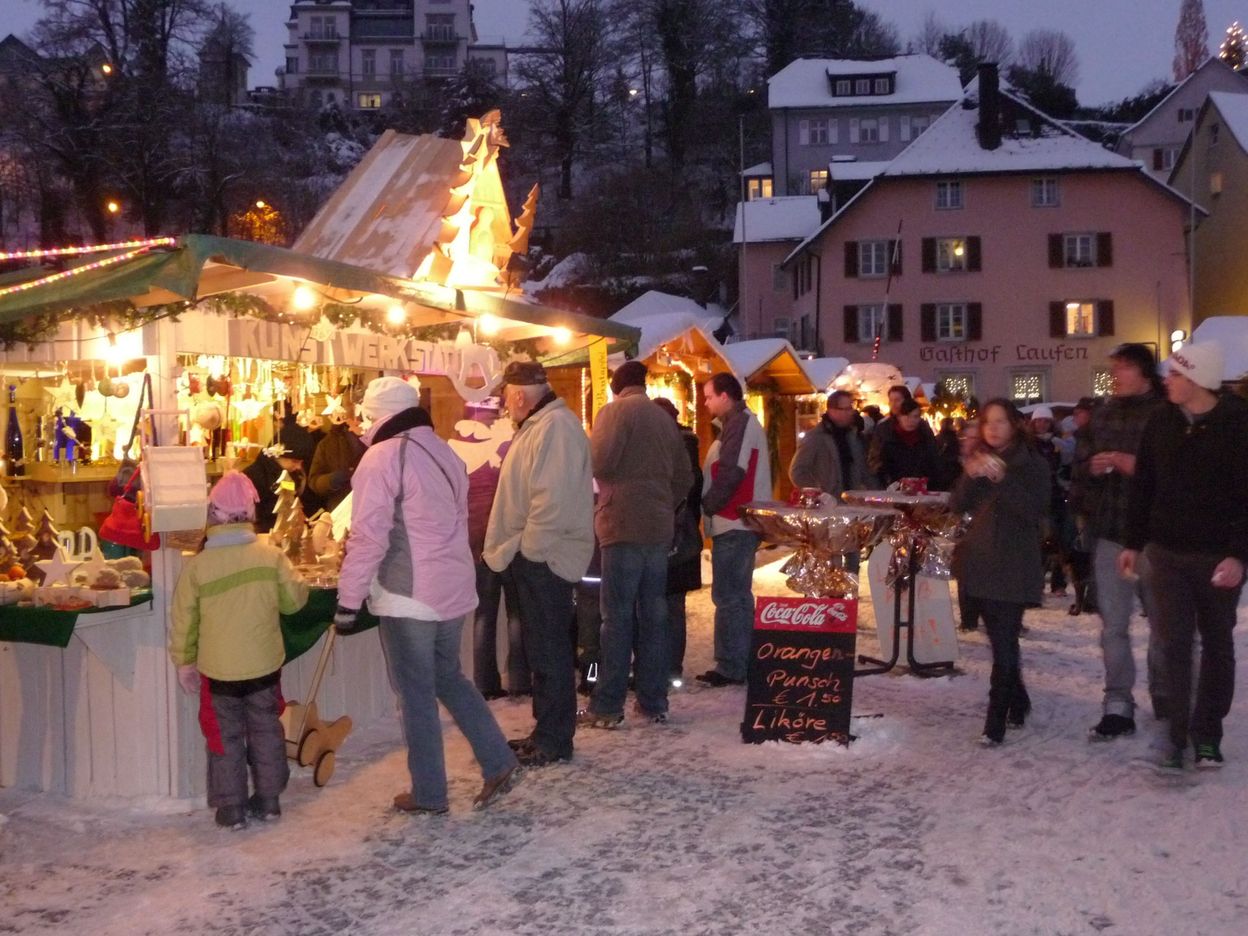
(360, 53)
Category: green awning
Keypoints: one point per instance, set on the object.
(201, 265)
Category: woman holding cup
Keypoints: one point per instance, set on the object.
(1005, 488)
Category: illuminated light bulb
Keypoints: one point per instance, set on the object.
(112, 206)
(958, 250)
(106, 68)
(677, 682)
(396, 314)
(261, 203)
(488, 324)
(303, 299)
(1178, 335)
(632, 92)
(562, 335)
(1176, 346)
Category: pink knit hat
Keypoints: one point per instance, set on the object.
(232, 499)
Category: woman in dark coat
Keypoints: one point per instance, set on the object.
(684, 565)
(908, 450)
(1005, 487)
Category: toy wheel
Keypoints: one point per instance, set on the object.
(309, 747)
(324, 768)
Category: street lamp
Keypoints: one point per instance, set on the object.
(261, 203)
(112, 206)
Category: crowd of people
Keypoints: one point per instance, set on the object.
(1143, 496)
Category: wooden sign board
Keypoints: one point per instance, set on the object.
(799, 686)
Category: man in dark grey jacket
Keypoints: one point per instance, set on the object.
(831, 457)
(1103, 467)
(643, 474)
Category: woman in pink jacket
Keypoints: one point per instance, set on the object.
(408, 555)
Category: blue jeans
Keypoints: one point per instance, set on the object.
(491, 591)
(423, 660)
(548, 618)
(634, 611)
(1115, 598)
(732, 580)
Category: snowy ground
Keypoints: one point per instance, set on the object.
(683, 829)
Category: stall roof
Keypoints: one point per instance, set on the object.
(769, 358)
(822, 371)
(199, 266)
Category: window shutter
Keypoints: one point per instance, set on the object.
(1105, 317)
(851, 324)
(834, 130)
(1104, 249)
(894, 323)
(883, 129)
(929, 255)
(851, 259)
(974, 254)
(903, 128)
(1057, 255)
(1158, 159)
(894, 253)
(853, 129)
(927, 322)
(974, 321)
(1057, 320)
(803, 133)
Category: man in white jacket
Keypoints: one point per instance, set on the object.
(541, 537)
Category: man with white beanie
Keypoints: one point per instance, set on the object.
(408, 555)
(1188, 511)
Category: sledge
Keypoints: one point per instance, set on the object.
(310, 741)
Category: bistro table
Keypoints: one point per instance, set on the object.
(923, 538)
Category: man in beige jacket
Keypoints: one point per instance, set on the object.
(540, 537)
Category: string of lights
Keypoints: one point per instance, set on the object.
(86, 249)
(76, 271)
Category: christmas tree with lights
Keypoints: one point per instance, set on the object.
(1234, 48)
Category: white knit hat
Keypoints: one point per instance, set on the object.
(386, 396)
(1042, 412)
(1202, 364)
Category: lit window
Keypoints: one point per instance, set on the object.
(862, 86)
(950, 321)
(1079, 250)
(948, 194)
(758, 188)
(1027, 387)
(1044, 193)
(881, 86)
(961, 386)
(873, 258)
(817, 181)
(872, 323)
(370, 101)
(844, 87)
(869, 130)
(1081, 319)
(950, 255)
(1102, 383)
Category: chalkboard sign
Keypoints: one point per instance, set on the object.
(801, 676)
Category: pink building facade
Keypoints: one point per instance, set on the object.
(1015, 268)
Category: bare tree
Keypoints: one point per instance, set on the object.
(563, 78)
(927, 39)
(990, 42)
(1050, 53)
(1191, 39)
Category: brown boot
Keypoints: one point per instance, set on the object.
(494, 788)
(404, 802)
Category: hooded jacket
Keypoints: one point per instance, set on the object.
(544, 506)
(409, 525)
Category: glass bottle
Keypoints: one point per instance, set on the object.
(14, 451)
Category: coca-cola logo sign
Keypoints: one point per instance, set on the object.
(806, 614)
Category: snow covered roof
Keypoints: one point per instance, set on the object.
(1231, 333)
(787, 218)
(920, 79)
(654, 304)
(851, 170)
(1234, 110)
(822, 371)
(950, 145)
(1212, 62)
(758, 170)
(776, 357)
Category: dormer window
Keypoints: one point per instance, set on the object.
(881, 86)
(862, 86)
(844, 87)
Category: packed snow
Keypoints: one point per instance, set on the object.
(682, 829)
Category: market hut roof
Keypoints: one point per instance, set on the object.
(822, 371)
(199, 266)
(769, 359)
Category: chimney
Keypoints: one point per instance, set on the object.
(988, 130)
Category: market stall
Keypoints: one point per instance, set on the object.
(230, 335)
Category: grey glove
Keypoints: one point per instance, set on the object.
(346, 621)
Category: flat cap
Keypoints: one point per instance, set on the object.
(524, 374)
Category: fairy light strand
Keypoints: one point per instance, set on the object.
(76, 271)
(88, 249)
